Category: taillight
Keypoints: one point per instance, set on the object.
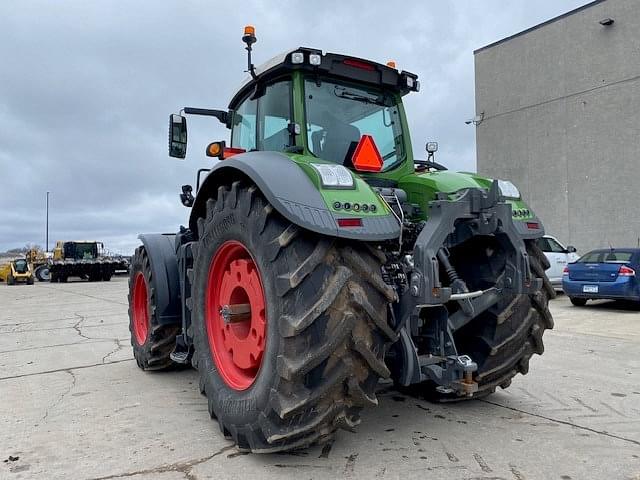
(230, 152)
(349, 222)
(359, 64)
(565, 271)
(626, 271)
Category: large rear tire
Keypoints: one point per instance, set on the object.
(503, 339)
(152, 343)
(317, 325)
(42, 273)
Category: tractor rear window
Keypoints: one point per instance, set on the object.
(338, 115)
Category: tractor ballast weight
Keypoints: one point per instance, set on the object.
(320, 256)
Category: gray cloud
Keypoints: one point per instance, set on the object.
(86, 88)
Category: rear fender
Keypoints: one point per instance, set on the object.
(160, 249)
(290, 191)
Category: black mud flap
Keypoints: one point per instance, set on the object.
(164, 268)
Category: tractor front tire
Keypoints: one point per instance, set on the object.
(152, 342)
(503, 339)
(11, 280)
(316, 333)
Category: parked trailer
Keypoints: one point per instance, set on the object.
(82, 259)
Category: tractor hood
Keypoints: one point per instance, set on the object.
(445, 181)
(422, 188)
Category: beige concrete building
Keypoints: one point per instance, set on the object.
(558, 110)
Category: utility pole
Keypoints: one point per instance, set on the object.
(47, 229)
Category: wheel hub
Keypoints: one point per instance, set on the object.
(140, 309)
(235, 315)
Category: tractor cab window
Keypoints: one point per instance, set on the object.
(274, 116)
(80, 251)
(21, 266)
(338, 115)
(243, 133)
(261, 124)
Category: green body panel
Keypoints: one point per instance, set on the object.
(421, 187)
(361, 194)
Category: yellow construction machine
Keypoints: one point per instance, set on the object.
(16, 271)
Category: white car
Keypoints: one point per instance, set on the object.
(559, 256)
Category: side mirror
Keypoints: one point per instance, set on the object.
(186, 197)
(177, 136)
(571, 249)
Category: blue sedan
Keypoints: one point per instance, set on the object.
(603, 274)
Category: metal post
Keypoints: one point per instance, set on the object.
(47, 230)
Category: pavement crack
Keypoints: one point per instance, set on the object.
(79, 367)
(564, 422)
(62, 395)
(76, 326)
(119, 346)
(54, 345)
(182, 467)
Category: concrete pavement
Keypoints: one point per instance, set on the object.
(74, 405)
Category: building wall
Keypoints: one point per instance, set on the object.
(561, 107)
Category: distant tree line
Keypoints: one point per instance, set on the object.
(21, 250)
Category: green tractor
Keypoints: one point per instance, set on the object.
(321, 257)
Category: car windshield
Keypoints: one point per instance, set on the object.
(338, 115)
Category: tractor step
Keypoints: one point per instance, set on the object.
(181, 353)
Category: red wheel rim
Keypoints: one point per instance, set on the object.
(235, 315)
(140, 309)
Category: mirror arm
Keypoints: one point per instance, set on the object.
(221, 115)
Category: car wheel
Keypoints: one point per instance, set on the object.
(578, 302)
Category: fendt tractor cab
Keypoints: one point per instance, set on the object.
(321, 256)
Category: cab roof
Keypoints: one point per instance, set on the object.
(332, 65)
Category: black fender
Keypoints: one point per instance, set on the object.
(290, 191)
(160, 249)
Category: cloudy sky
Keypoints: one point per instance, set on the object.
(86, 88)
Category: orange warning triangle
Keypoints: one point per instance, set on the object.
(366, 157)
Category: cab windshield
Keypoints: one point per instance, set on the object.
(337, 116)
(21, 266)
